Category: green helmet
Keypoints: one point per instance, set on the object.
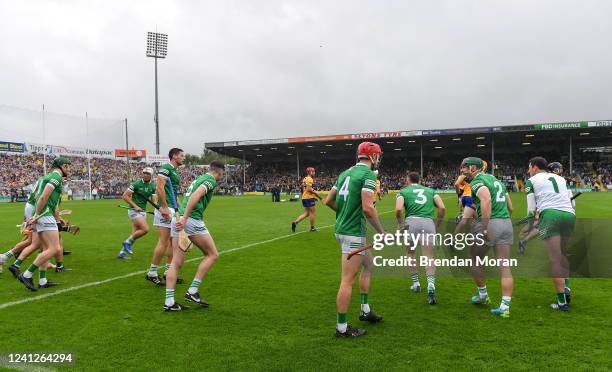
(472, 160)
(59, 161)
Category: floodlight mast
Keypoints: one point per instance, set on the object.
(157, 47)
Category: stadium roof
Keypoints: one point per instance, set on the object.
(541, 137)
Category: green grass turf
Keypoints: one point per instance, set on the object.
(273, 304)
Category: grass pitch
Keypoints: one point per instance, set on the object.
(272, 296)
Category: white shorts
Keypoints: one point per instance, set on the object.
(422, 228)
(159, 221)
(45, 223)
(349, 243)
(192, 227)
(132, 214)
(28, 212)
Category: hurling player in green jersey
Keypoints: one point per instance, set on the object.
(44, 222)
(140, 192)
(191, 220)
(352, 197)
(166, 187)
(28, 235)
(414, 210)
(492, 211)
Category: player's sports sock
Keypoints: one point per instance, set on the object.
(365, 307)
(28, 273)
(18, 262)
(7, 255)
(194, 287)
(567, 282)
(166, 268)
(415, 278)
(505, 303)
(59, 265)
(341, 323)
(561, 298)
(42, 277)
(482, 292)
(431, 282)
(153, 270)
(169, 297)
(130, 240)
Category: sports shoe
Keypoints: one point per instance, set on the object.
(67, 253)
(313, 229)
(29, 284)
(127, 247)
(48, 284)
(558, 306)
(175, 307)
(431, 297)
(351, 332)
(370, 317)
(155, 279)
(123, 256)
(521, 246)
(568, 294)
(15, 271)
(415, 287)
(499, 312)
(293, 226)
(62, 269)
(477, 300)
(196, 298)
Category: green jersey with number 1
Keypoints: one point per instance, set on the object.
(350, 219)
(499, 207)
(209, 183)
(418, 201)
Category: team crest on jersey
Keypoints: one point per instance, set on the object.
(527, 188)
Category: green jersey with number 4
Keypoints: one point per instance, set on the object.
(142, 192)
(209, 183)
(54, 179)
(499, 207)
(350, 219)
(418, 201)
(173, 181)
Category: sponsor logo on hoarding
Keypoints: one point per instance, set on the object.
(12, 146)
(568, 125)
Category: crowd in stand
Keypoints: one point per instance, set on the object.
(110, 177)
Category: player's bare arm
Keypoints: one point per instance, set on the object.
(485, 206)
(509, 203)
(468, 214)
(330, 199)
(367, 205)
(160, 189)
(441, 209)
(127, 197)
(399, 212)
(195, 196)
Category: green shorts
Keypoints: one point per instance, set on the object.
(556, 223)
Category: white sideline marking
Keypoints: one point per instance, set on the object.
(98, 282)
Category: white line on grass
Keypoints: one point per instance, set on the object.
(98, 282)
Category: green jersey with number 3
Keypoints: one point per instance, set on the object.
(209, 183)
(350, 219)
(173, 181)
(142, 192)
(418, 201)
(499, 207)
(54, 179)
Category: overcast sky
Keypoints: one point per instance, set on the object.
(267, 69)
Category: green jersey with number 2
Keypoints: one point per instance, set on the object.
(499, 207)
(209, 183)
(418, 201)
(350, 219)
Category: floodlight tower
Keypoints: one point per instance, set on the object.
(157, 47)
